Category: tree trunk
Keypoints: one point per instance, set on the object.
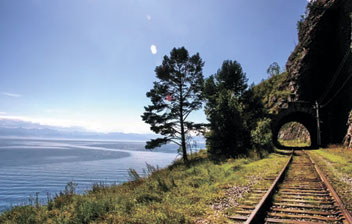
(183, 139)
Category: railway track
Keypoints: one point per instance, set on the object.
(299, 194)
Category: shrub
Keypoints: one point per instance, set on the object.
(146, 198)
(64, 198)
(262, 135)
(87, 210)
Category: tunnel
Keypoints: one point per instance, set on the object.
(306, 119)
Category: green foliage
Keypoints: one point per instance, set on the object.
(253, 108)
(228, 135)
(88, 210)
(301, 21)
(273, 69)
(178, 194)
(25, 214)
(300, 24)
(66, 197)
(174, 96)
(232, 110)
(146, 198)
(262, 135)
(231, 77)
(271, 93)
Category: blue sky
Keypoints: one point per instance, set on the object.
(89, 62)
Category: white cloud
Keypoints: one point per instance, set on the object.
(2, 113)
(153, 49)
(11, 94)
(149, 17)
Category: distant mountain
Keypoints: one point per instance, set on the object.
(19, 128)
(15, 123)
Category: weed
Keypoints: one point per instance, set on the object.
(134, 176)
(70, 188)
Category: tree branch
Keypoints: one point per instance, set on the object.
(186, 114)
(177, 143)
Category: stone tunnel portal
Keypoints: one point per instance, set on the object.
(305, 117)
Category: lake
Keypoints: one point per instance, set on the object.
(32, 166)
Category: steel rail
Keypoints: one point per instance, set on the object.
(347, 216)
(258, 214)
(298, 209)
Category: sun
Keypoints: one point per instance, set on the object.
(153, 49)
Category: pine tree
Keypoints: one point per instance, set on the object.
(232, 110)
(174, 96)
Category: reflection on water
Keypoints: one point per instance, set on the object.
(31, 166)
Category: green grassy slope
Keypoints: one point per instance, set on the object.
(336, 162)
(177, 194)
(271, 92)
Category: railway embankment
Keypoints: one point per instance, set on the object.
(336, 163)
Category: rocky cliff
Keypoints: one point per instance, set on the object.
(324, 37)
(320, 67)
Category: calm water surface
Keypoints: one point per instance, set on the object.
(28, 167)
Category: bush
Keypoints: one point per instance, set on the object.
(25, 214)
(262, 135)
(87, 210)
(146, 198)
(64, 198)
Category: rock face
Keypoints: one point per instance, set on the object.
(320, 67)
(294, 131)
(348, 138)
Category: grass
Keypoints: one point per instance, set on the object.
(294, 143)
(336, 163)
(177, 194)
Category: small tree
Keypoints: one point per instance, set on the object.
(174, 96)
(262, 135)
(273, 69)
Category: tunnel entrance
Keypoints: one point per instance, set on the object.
(295, 127)
(294, 134)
